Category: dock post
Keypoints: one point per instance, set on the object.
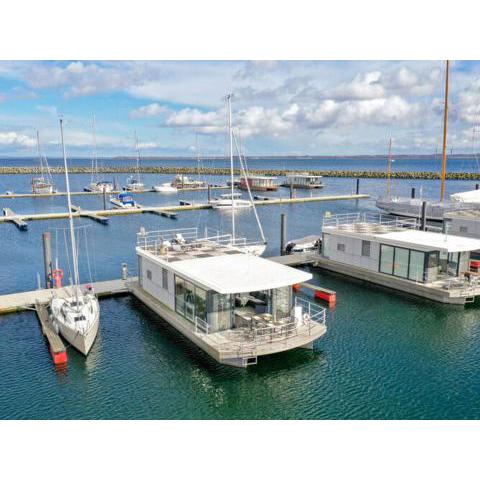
(292, 192)
(104, 198)
(357, 189)
(283, 232)
(477, 185)
(423, 224)
(413, 192)
(209, 192)
(47, 259)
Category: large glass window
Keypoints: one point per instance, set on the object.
(365, 248)
(219, 311)
(386, 259)
(189, 301)
(452, 268)
(400, 268)
(200, 303)
(417, 265)
(180, 295)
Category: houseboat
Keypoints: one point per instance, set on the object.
(235, 306)
(302, 180)
(397, 254)
(258, 183)
(182, 181)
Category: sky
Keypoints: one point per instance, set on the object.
(279, 107)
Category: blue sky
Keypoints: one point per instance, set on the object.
(280, 107)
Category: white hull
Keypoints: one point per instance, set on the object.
(99, 187)
(138, 187)
(47, 189)
(81, 333)
(256, 250)
(227, 204)
(165, 188)
(119, 204)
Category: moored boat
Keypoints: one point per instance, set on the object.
(123, 200)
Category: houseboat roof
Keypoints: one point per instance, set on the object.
(427, 241)
(261, 177)
(232, 271)
(303, 175)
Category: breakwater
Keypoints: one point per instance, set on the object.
(226, 171)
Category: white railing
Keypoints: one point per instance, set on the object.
(369, 218)
(201, 326)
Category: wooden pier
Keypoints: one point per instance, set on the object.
(10, 216)
(167, 210)
(92, 215)
(57, 348)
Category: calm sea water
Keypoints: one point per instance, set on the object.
(385, 355)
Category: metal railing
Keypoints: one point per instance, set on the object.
(367, 218)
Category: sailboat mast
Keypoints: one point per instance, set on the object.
(229, 102)
(40, 159)
(389, 169)
(138, 156)
(445, 128)
(94, 159)
(76, 279)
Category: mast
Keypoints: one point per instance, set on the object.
(389, 169)
(229, 103)
(70, 218)
(138, 156)
(94, 153)
(40, 159)
(445, 127)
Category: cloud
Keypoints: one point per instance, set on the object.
(363, 87)
(15, 139)
(150, 110)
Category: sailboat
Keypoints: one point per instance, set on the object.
(233, 201)
(43, 183)
(77, 316)
(134, 183)
(96, 185)
(412, 207)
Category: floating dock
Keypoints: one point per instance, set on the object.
(57, 348)
(92, 215)
(169, 211)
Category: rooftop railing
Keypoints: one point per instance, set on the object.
(369, 219)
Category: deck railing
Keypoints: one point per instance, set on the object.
(369, 218)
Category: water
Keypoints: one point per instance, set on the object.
(385, 355)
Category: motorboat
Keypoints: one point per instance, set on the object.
(230, 201)
(165, 188)
(123, 200)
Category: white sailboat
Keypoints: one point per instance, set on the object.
(134, 183)
(96, 185)
(43, 183)
(233, 201)
(77, 316)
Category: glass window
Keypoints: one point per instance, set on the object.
(326, 245)
(165, 278)
(365, 248)
(417, 264)
(200, 303)
(149, 274)
(219, 311)
(386, 259)
(400, 268)
(341, 247)
(463, 229)
(180, 295)
(189, 301)
(452, 268)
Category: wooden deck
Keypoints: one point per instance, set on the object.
(16, 302)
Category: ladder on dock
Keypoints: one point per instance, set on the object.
(92, 215)
(17, 220)
(57, 348)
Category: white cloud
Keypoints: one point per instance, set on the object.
(15, 139)
(150, 110)
(363, 87)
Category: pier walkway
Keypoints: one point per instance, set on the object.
(169, 211)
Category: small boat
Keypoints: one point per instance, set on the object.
(230, 201)
(101, 186)
(43, 183)
(165, 188)
(134, 184)
(9, 192)
(123, 200)
(311, 243)
(75, 317)
(182, 181)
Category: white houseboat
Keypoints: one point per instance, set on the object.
(397, 254)
(258, 183)
(234, 306)
(303, 180)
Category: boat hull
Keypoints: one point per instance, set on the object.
(83, 343)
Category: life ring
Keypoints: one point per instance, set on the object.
(57, 275)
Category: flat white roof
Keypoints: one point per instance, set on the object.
(235, 273)
(420, 240)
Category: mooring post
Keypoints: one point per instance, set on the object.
(476, 186)
(209, 192)
(283, 232)
(104, 198)
(47, 259)
(413, 192)
(424, 216)
(292, 191)
(357, 190)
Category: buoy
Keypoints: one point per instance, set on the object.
(296, 287)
